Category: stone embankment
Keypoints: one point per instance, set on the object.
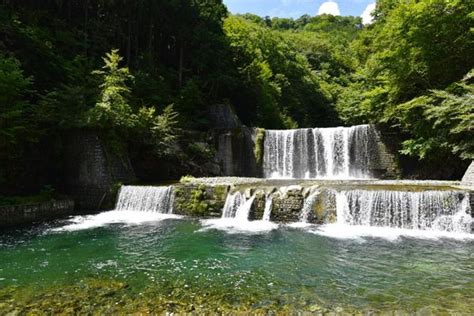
(27, 214)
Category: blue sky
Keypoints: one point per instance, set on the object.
(295, 8)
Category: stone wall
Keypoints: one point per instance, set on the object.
(91, 171)
(286, 208)
(199, 200)
(383, 165)
(235, 152)
(26, 214)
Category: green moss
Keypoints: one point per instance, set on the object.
(193, 201)
(259, 140)
(220, 192)
(186, 179)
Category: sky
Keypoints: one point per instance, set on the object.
(296, 8)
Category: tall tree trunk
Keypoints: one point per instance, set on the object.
(181, 63)
(129, 40)
(86, 24)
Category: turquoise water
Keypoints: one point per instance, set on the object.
(176, 265)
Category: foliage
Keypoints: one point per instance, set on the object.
(14, 109)
(46, 194)
(279, 87)
(411, 62)
(443, 119)
(112, 109)
(404, 71)
(159, 131)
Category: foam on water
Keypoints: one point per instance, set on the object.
(135, 205)
(235, 217)
(231, 225)
(113, 217)
(341, 231)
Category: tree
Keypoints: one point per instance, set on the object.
(112, 109)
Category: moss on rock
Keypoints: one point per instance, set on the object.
(259, 143)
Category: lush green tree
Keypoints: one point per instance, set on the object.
(407, 74)
(441, 120)
(279, 86)
(112, 109)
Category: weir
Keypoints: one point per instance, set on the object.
(427, 210)
(314, 176)
(145, 199)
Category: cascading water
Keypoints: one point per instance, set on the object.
(341, 152)
(235, 216)
(232, 203)
(146, 199)
(135, 205)
(446, 211)
(308, 206)
(268, 208)
(237, 206)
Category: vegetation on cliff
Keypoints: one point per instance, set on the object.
(167, 62)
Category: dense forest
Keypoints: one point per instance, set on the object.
(145, 70)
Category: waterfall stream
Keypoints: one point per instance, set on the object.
(146, 199)
(341, 152)
(237, 206)
(447, 211)
(308, 206)
(268, 207)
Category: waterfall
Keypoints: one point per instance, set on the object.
(340, 152)
(237, 206)
(268, 207)
(308, 205)
(232, 203)
(146, 199)
(427, 210)
(243, 211)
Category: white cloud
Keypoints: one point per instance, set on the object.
(367, 14)
(329, 7)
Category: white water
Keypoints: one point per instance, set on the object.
(308, 206)
(268, 208)
(113, 217)
(340, 231)
(235, 217)
(135, 205)
(336, 153)
(446, 211)
(146, 199)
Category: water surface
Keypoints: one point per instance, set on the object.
(186, 265)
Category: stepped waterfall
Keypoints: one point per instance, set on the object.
(341, 152)
(294, 162)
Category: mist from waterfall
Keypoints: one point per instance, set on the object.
(336, 153)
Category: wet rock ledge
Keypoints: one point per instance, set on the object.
(206, 197)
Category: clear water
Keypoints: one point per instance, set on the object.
(180, 265)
